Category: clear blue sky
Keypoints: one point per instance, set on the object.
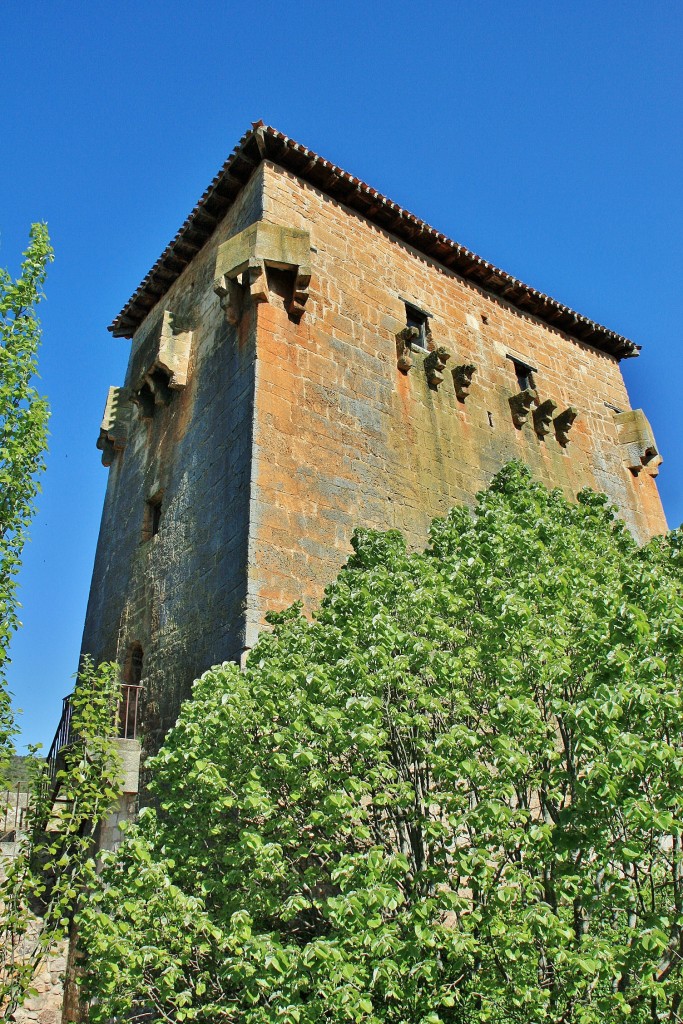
(544, 136)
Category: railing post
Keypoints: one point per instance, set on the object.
(128, 711)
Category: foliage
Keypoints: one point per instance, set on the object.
(23, 438)
(453, 797)
(45, 883)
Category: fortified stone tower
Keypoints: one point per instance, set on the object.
(307, 357)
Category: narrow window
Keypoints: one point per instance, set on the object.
(418, 319)
(153, 508)
(524, 374)
(132, 667)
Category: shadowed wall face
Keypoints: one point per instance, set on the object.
(170, 569)
(305, 374)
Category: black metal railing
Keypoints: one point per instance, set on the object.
(125, 726)
(127, 719)
(63, 737)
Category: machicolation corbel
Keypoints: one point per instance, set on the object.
(256, 280)
(543, 417)
(404, 341)
(243, 262)
(564, 423)
(435, 364)
(521, 405)
(230, 293)
(297, 305)
(115, 424)
(173, 351)
(637, 441)
(462, 379)
(166, 367)
(153, 391)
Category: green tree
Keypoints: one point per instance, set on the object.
(455, 796)
(23, 439)
(42, 887)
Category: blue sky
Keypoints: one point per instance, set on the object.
(544, 136)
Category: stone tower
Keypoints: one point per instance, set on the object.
(307, 357)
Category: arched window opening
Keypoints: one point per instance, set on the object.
(132, 667)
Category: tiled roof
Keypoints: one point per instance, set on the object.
(264, 143)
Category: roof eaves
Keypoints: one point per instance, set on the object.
(268, 143)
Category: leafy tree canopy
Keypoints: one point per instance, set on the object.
(23, 439)
(453, 797)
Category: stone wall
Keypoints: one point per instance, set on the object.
(181, 593)
(343, 437)
(273, 416)
(45, 1007)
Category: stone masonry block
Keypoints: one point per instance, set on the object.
(129, 752)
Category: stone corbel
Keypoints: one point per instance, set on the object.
(242, 267)
(158, 384)
(543, 417)
(404, 341)
(152, 391)
(230, 293)
(115, 424)
(638, 446)
(173, 353)
(257, 280)
(462, 379)
(564, 423)
(297, 306)
(435, 364)
(166, 368)
(521, 405)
